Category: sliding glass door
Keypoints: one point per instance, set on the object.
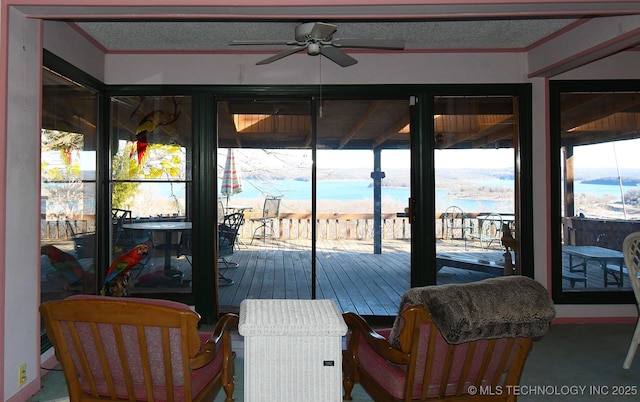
(322, 191)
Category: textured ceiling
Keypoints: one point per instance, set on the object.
(160, 36)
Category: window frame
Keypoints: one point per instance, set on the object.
(556, 88)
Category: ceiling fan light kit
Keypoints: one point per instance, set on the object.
(317, 38)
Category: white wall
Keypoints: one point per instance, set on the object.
(68, 44)
(300, 69)
(621, 66)
(22, 257)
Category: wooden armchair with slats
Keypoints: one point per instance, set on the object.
(113, 348)
(428, 355)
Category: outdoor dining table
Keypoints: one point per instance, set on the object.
(167, 227)
(600, 255)
(509, 218)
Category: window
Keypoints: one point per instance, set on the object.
(150, 189)
(68, 186)
(596, 142)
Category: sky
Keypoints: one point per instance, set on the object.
(626, 153)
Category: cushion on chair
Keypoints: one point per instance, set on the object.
(491, 308)
(155, 349)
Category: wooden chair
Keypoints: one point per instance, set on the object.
(114, 349)
(631, 250)
(417, 360)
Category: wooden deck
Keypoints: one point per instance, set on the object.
(347, 272)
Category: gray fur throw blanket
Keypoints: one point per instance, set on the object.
(508, 306)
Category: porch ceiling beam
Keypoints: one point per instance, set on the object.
(392, 130)
(373, 107)
(597, 109)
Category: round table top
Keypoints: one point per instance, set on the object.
(158, 225)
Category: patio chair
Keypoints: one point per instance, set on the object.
(84, 243)
(489, 230)
(227, 236)
(631, 250)
(131, 349)
(227, 233)
(270, 213)
(455, 221)
(448, 339)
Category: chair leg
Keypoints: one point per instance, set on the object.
(227, 263)
(224, 281)
(632, 347)
(264, 233)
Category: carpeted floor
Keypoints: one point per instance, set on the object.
(570, 363)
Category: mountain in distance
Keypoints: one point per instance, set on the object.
(394, 177)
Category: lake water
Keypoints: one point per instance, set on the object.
(359, 190)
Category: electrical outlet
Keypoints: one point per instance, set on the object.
(22, 374)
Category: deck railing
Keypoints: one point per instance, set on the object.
(334, 226)
(288, 226)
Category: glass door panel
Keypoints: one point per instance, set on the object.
(474, 158)
(151, 182)
(265, 164)
(363, 183)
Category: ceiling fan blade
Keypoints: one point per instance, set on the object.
(337, 56)
(392, 44)
(262, 42)
(281, 55)
(322, 30)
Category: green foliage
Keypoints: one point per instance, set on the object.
(632, 197)
(122, 193)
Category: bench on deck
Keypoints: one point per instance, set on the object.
(469, 263)
(573, 277)
(614, 271)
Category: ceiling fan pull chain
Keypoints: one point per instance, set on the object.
(320, 68)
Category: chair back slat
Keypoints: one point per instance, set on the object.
(168, 369)
(122, 355)
(145, 360)
(505, 361)
(484, 372)
(466, 368)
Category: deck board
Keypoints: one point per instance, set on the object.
(349, 273)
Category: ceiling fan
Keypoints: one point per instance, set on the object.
(317, 38)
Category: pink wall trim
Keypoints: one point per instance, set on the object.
(594, 320)
(4, 45)
(547, 175)
(558, 33)
(89, 38)
(350, 51)
(418, 8)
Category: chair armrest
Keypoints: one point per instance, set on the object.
(220, 338)
(377, 342)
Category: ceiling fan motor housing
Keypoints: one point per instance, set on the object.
(304, 31)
